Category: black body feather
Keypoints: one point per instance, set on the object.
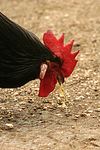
(21, 54)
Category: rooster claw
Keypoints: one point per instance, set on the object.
(63, 105)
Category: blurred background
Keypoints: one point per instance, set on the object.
(41, 124)
(79, 19)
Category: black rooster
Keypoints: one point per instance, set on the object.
(21, 54)
(23, 58)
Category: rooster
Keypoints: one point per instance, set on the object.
(23, 57)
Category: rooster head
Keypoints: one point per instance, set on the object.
(52, 71)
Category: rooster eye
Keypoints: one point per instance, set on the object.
(54, 67)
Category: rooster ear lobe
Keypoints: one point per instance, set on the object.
(61, 39)
(43, 69)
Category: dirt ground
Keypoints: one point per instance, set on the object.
(28, 122)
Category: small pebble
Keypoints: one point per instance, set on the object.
(83, 115)
(36, 89)
(9, 126)
(1, 130)
(94, 116)
(22, 103)
(89, 111)
(73, 127)
(34, 115)
(16, 93)
(61, 132)
(77, 116)
(97, 110)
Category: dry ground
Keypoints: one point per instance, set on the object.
(39, 123)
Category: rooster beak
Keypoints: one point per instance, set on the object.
(48, 63)
(60, 79)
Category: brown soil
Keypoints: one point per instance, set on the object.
(28, 122)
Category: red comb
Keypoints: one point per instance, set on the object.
(64, 52)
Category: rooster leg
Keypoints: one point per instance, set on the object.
(62, 93)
